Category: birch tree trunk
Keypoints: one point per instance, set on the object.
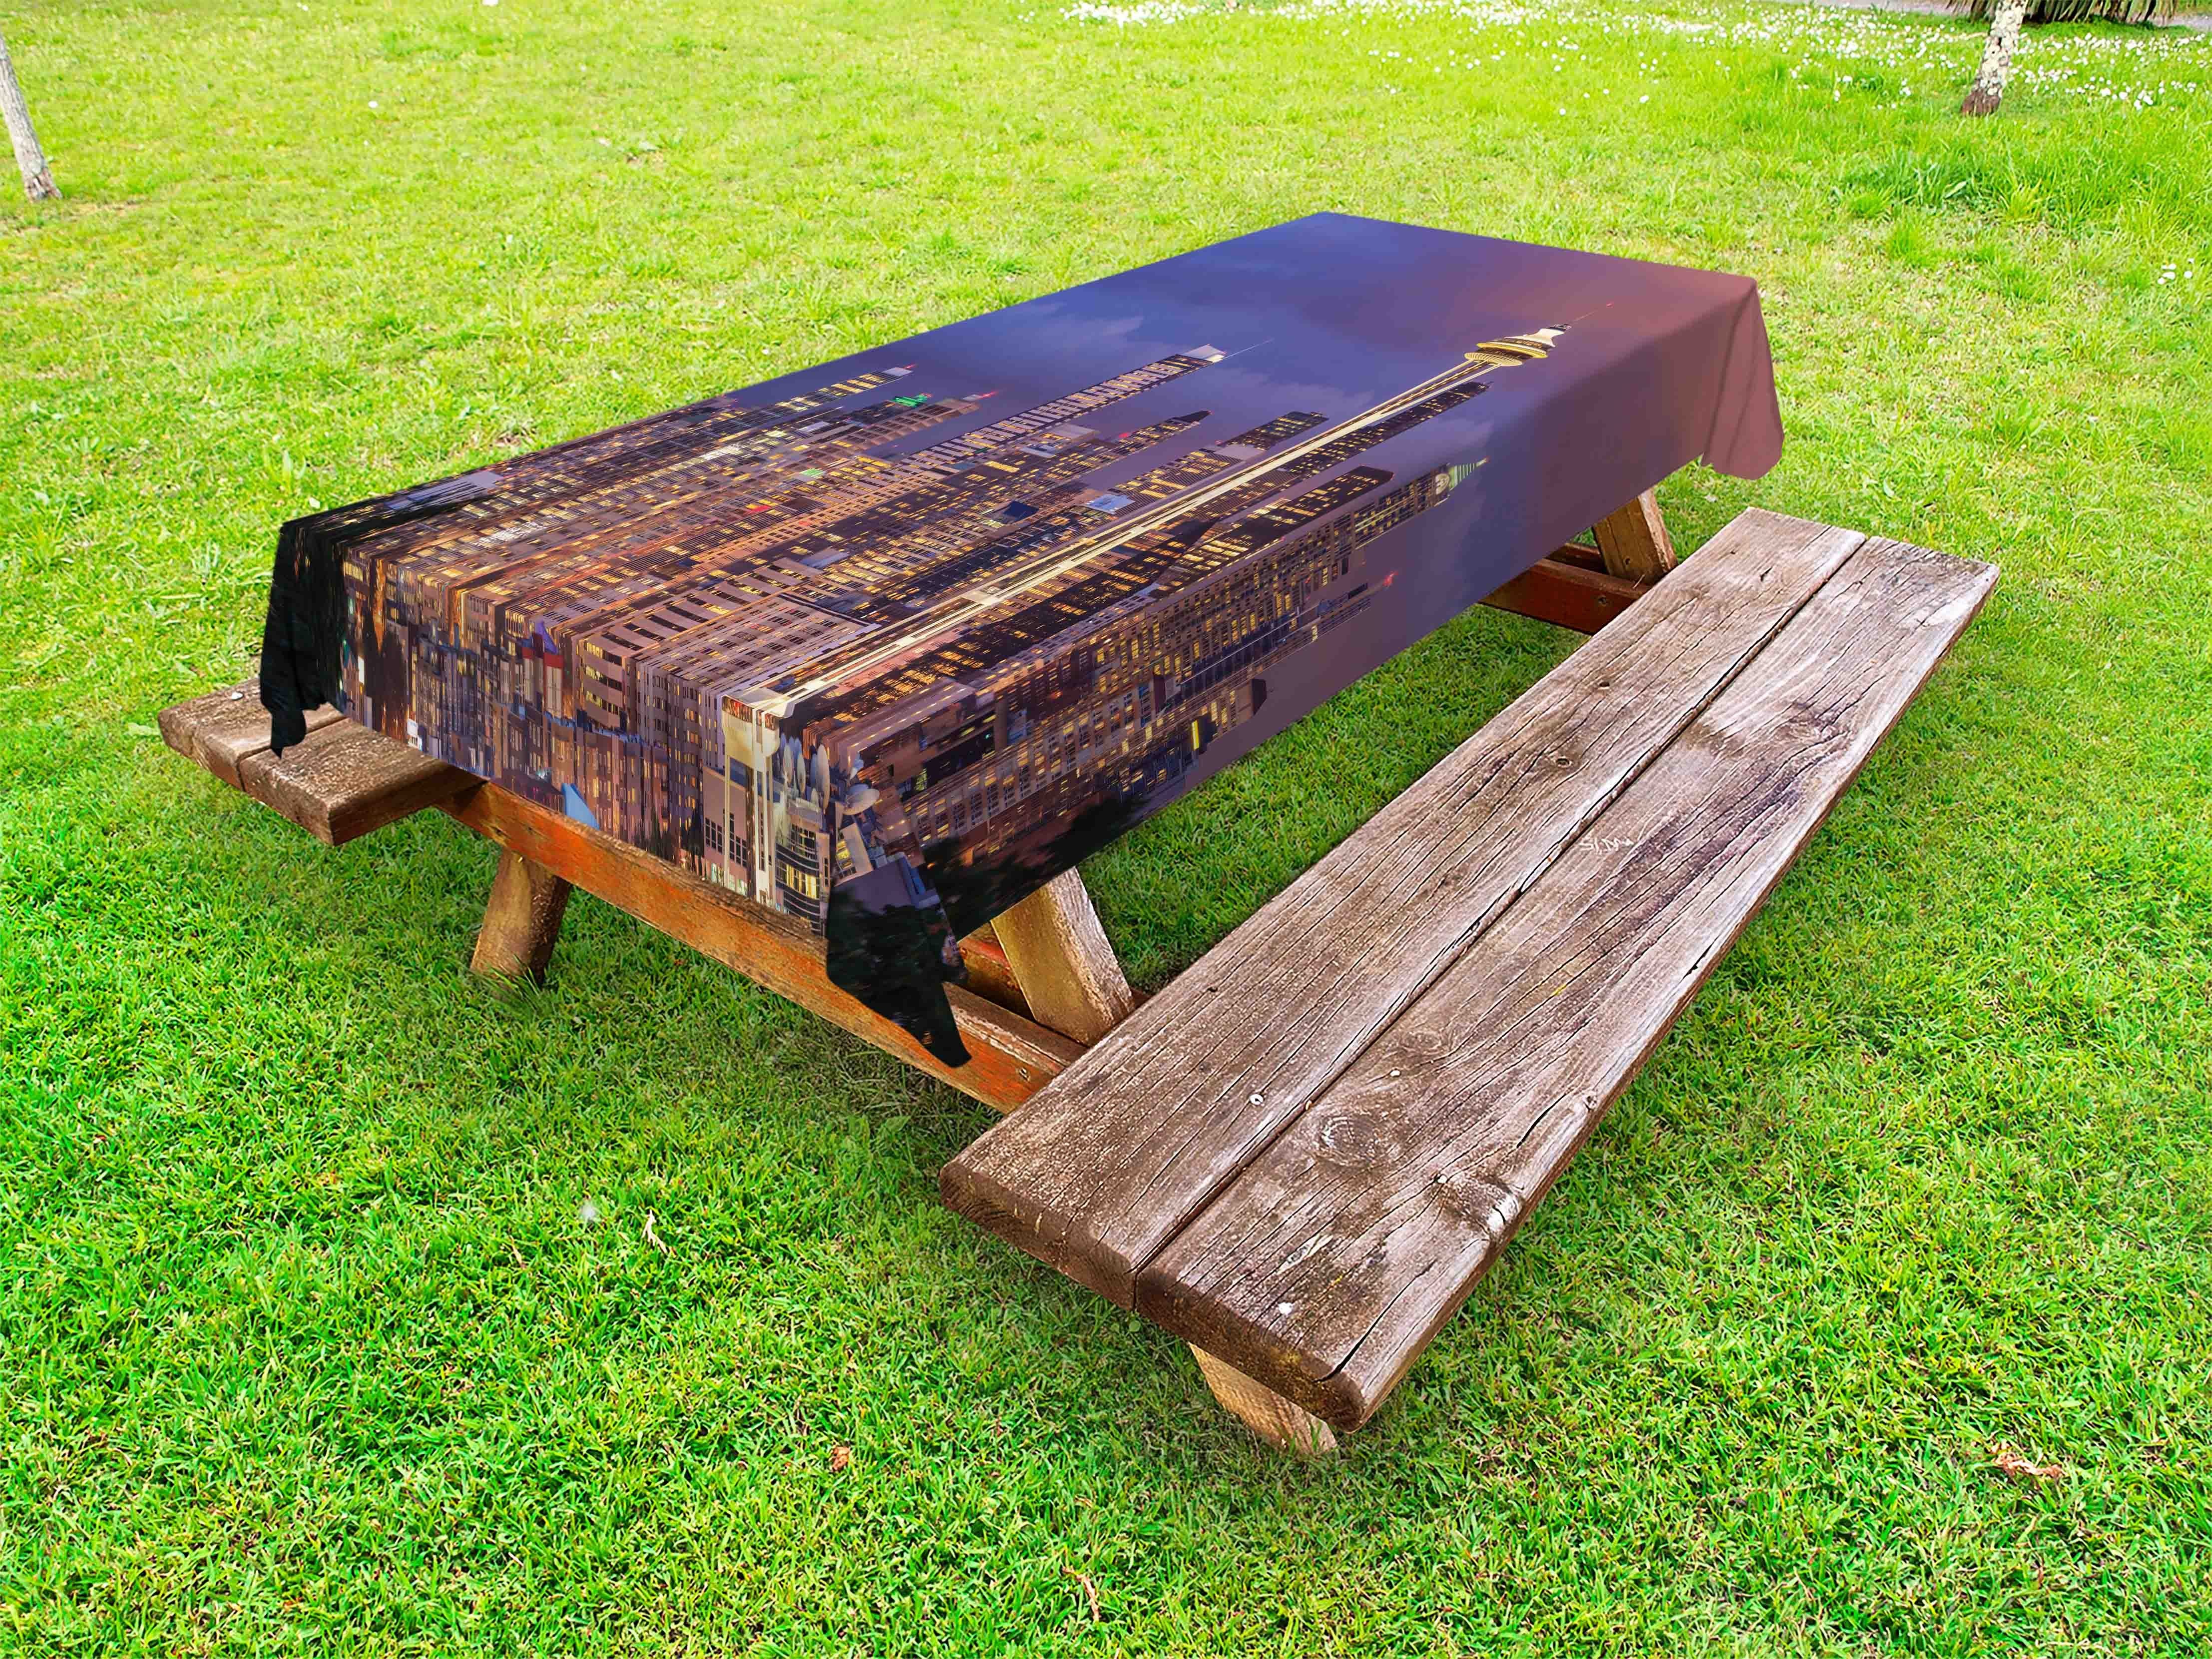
(1988, 90)
(37, 181)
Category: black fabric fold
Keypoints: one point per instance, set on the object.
(303, 635)
(891, 947)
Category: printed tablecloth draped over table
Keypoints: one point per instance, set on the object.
(888, 644)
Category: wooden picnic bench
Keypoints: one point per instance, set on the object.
(1302, 1155)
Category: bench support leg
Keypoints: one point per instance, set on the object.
(1063, 962)
(1634, 541)
(1584, 585)
(522, 920)
(1278, 1421)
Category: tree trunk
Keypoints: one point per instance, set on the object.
(37, 181)
(1988, 90)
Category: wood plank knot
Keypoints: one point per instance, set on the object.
(1356, 1140)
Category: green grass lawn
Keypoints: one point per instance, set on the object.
(330, 1316)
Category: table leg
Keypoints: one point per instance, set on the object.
(990, 976)
(1635, 542)
(1585, 586)
(1063, 962)
(522, 920)
(1278, 1421)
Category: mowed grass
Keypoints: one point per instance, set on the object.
(349, 1306)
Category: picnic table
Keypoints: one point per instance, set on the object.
(838, 679)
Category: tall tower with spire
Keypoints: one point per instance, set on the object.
(1517, 349)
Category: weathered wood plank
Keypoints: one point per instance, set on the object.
(1011, 1057)
(1063, 961)
(1095, 1175)
(1635, 542)
(346, 781)
(223, 728)
(522, 920)
(1567, 596)
(1326, 1267)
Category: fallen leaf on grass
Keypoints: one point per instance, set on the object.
(1089, 1590)
(841, 1457)
(2015, 1466)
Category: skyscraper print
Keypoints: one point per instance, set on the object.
(886, 652)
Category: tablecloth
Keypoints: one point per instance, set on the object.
(887, 644)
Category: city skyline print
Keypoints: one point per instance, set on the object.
(886, 647)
